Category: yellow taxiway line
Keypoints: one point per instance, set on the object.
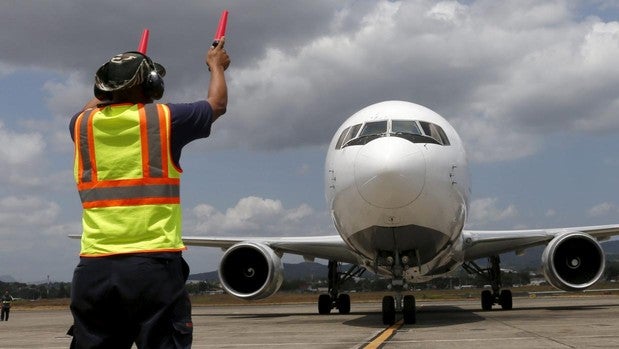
(384, 336)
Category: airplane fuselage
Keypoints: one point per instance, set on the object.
(397, 184)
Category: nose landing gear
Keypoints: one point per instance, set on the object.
(399, 303)
(404, 304)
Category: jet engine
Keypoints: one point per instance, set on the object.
(573, 261)
(251, 271)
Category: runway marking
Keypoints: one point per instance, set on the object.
(384, 336)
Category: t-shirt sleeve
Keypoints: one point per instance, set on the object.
(190, 121)
(72, 125)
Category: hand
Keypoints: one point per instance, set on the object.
(217, 57)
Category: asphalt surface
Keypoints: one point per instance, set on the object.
(541, 322)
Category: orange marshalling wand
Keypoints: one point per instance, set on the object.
(143, 47)
(221, 28)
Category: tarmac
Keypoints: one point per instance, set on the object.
(541, 322)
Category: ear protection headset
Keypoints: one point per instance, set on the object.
(152, 79)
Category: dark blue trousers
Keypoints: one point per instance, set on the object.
(120, 300)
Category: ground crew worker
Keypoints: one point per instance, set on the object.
(6, 306)
(129, 286)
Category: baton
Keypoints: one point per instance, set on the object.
(221, 28)
(143, 42)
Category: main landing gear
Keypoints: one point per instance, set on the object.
(335, 300)
(492, 274)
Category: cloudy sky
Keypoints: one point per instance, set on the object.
(532, 87)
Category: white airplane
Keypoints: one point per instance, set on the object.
(397, 185)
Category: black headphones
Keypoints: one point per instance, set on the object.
(152, 81)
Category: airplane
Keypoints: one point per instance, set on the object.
(397, 185)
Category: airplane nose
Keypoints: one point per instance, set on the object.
(390, 172)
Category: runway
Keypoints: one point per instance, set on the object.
(542, 322)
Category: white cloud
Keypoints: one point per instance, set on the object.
(257, 216)
(65, 98)
(487, 210)
(489, 141)
(21, 156)
(602, 209)
(19, 148)
(303, 169)
(448, 11)
(23, 213)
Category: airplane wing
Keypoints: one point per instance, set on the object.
(479, 244)
(330, 247)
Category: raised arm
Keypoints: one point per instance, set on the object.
(218, 61)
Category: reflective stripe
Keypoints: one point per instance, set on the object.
(130, 192)
(105, 204)
(85, 120)
(128, 183)
(153, 134)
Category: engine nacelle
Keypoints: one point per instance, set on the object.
(573, 261)
(251, 270)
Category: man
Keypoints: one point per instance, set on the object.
(6, 306)
(130, 283)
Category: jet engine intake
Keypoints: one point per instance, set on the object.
(250, 270)
(573, 261)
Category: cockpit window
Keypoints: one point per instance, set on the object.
(348, 134)
(369, 132)
(340, 140)
(374, 128)
(353, 133)
(443, 136)
(434, 131)
(405, 126)
(411, 130)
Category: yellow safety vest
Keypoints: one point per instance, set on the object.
(127, 181)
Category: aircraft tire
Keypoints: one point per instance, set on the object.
(486, 300)
(344, 303)
(505, 299)
(388, 310)
(408, 310)
(324, 304)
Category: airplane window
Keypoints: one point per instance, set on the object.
(435, 132)
(426, 127)
(443, 136)
(353, 132)
(348, 134)
(369, 132)
(340, 140)
(405, 126)
(374, 128)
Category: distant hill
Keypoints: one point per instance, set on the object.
(7, 278)
(308, 270)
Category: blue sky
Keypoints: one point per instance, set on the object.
(531, 86)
